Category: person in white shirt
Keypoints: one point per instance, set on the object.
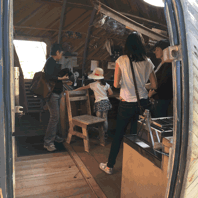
(128, 110)
(100, 88)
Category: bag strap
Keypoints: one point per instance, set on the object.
(135, 83)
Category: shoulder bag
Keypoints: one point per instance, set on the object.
(40, 86)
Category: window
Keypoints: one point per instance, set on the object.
(32, 56)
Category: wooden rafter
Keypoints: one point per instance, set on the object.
(87, 40)
(127, 21)
(56, 21)
(56, 30)
(62, 18)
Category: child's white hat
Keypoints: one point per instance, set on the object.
(97, 74)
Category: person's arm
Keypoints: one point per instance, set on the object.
(66, 77)
(117, 76)
(110, 92)
(82, 88)
(153, 82)
(152, 86)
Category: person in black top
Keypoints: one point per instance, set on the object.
(163, 95)
(54, 73)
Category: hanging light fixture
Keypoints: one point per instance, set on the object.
(158, 3)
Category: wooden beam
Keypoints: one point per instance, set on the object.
(62, 18)
(56, 21)
(90, 7)
(127, 21)
(55, 30)
(87, 41)
(73, 26)
(78, 20)
(144, 20)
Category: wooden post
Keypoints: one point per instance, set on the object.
(87, 42)
(62, 20)
(63, 116)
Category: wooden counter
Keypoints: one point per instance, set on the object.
(144, 174)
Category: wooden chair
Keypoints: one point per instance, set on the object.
(84, 120)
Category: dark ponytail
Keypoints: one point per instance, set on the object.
(102, 82)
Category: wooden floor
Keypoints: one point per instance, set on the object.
(74, 173)
(50, 176)
(109, 184)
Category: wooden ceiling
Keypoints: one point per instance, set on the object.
(40, 20)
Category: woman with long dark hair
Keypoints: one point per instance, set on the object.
(128, 109)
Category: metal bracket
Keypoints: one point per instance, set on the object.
(158, 146)
(18, 109)
(172, 53)
(148, 126)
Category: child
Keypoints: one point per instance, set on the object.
(100, 89)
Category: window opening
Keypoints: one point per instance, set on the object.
(32, 56)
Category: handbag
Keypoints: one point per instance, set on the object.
(142, 109)
(40, 86)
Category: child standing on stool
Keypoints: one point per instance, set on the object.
(100, 89)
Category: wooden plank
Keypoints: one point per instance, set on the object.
(27, 164)
(70, 188)
(44, 158)
(79, 98)
(88, 104)
(86, 193)
(41, 172)
(86, 140)
(63, 116)
(52, 164)
(110, 184)
(70, 175)
(87, 40)
(69, 109)
(87, 119)
(87, 175)
(127, 21)
(54, 176)
(62, 19)
(71, 93)
(78, 134)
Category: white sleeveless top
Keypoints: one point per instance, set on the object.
(100, 91)
(142, 72)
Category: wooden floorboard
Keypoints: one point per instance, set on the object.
(42, 156)
(50, 176)
(62, 194)
(58, 175)
(69, 175)
(109, 184)
(71, 188)
(87, 175)
(40, 163)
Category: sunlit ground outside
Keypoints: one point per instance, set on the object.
(32, 56)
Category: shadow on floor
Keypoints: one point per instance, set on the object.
(27, 146)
